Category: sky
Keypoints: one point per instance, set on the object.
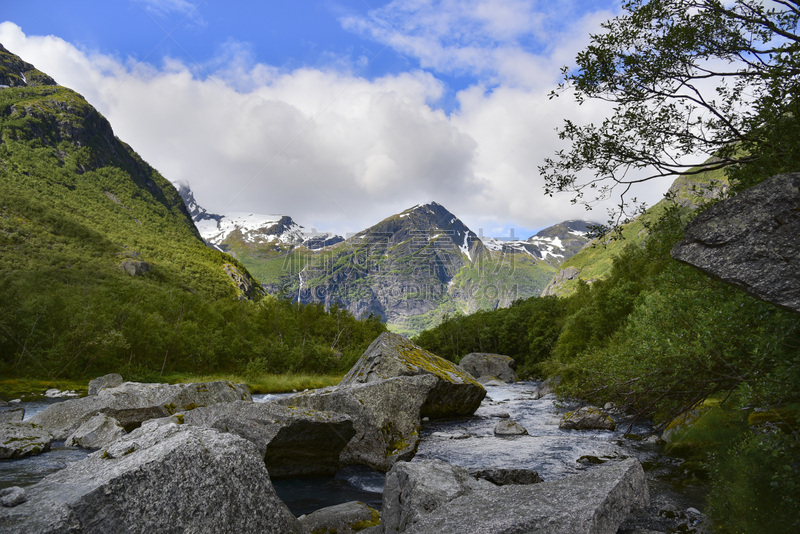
(338, 113)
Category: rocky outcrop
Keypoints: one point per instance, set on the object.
(751, 241)
(385, 414)
(482, 364)
(414, 489)
(594, 502)
(293, 441)
(135, 267)
(509, 427)
(97, 432)
(132, 403)
(560, 278)
(456, 393)
(587, 418)
(20, 439)
(162, 477)
(346, 518)
(107, 381)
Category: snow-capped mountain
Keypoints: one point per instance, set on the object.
(557, 242)
(251, 228)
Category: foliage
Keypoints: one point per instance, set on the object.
(684, 78)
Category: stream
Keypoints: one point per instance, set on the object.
(468, 442)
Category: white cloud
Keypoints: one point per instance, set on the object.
(334, 151)
(164, 8)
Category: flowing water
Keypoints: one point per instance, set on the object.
(469, 442)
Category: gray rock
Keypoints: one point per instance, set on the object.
(547, 387)
(95, 433)
(750, 241)
(12, 415)
(509, 427)
(593, 502)
(132, 403)
(587, 418)
(414, 489)
(13, 496)
(480, 364)
(135, 267)
(20, 439)
(346, 518)
(385, 415)
(3, 403)
(503, 476)
(158, 478)
(107, 381)
(391, 355)
(293, 441)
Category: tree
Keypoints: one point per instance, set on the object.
(687, 79)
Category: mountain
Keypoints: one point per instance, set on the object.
(555, 243)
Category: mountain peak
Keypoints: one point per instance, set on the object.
(17, 73)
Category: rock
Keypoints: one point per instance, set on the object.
(13, 496)
(498, 366)
(132, 403)
(750, 241)
(596, 502)
(413, 489)
(292, 441)
(509, 427)
(587, 418)
(503, 415)
(385, 415)
(3, 403)
(135, 267)
(456, 393)
(346, 518)
(12, 415)
(161, 477)
(505, 476)
(560, 278)
(107, 381)
(547, 387)
(20, 439)
(95, 433)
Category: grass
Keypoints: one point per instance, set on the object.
(32, 388)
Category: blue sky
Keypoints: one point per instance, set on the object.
(336, 112)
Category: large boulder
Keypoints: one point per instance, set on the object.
(20, 439)
(293, 441)
(750, 241)
(587, 418)
(160, 478)
(414, 489)
(106, 381)
(484, 364)
(132, 403)
(12, 415)
(594, 502)
(509, 427)
(97, 432)
(391, 355)
(346, 518)
(385, 414)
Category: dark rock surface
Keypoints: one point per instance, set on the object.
(751, 241)
(499, 366)
(160, 478)
(503, 476)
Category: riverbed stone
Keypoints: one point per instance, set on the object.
(484, 364)
(346, 518)
(414, 489)
(12, 415)
(750, 241)
(95, 433)
(596, 501)
(391, 355)
(13, 496)
(159, 478)
(385, 414)
(509, 427)
(133, 403)
(21, 439)
(587, 418)
(111, 380)
(293, 441)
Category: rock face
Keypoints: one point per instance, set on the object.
(346, 518)
(159, 478)
(594, 502)
(414, 489)
(391, 355)
(587, 418)
(132, 403)
(108, 381)
(95, 433)
(751, 241)
(20, 439)
(292, 441)
(385, 414)
(480, 364)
